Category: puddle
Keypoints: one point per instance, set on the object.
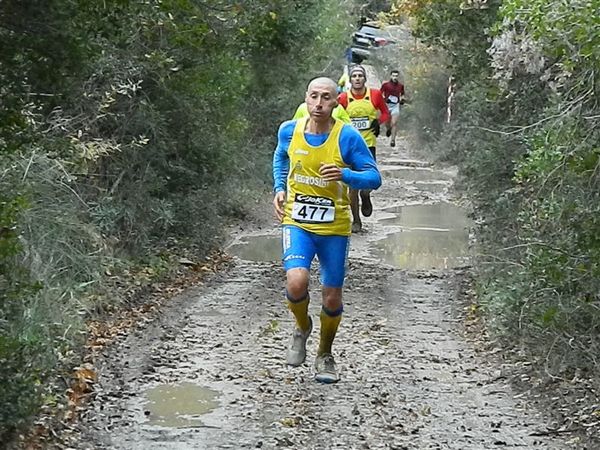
(414, 174)
(433, 237)
(406, 163)
(431, 186)
(212, 312)
(258, 248)
(179, 405)
(439, 216)
(424, 249)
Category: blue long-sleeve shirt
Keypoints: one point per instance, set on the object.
(362, 172)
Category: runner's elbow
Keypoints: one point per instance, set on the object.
(376, 183)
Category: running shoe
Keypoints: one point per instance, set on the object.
(296, 352)
(325, 369)
(356, 227)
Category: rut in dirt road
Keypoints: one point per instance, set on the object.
(211, 373)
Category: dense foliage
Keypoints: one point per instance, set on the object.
(126, 126)
(525, 133)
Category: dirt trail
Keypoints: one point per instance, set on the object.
(210, 373)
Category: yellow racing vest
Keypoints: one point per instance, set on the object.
(319, 206)
(362, 113)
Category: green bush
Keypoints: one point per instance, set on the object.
(525, 136)
(20, 393)
(126, 127)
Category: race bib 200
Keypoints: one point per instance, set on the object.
(360, 123)
(312, 209)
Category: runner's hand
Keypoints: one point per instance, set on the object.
(330, 172)
(278, 202)
(375, 127)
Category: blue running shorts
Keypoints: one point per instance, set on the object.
(301, 246)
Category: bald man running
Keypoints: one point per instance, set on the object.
(317, 160)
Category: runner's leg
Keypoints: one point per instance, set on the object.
(365, 194)
(355, 207)
(332, 252)
(298, 253)
(330, 318)
(394, 125)
(298, 297)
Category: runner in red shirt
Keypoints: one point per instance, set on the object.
(393, 92)
(367, 110)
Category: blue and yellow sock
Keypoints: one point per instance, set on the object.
(330, 321)
(299, 309)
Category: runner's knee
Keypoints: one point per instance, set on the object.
(297, 283)
(332, 298)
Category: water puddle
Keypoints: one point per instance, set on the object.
(406, 163)
(432, 237)
(179, 406)
(431, 186)
(258, 248)
(424, 249)
(414, 174)
(439, 216)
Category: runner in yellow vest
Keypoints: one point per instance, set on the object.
(344, 81)
(316, 161)
(367, 111)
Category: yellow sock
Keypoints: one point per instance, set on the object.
(300, 310)
(330, 321)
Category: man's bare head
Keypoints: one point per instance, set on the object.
(321, 98)
(322, 82)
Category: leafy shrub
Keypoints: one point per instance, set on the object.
(525, 133)
(125, 127)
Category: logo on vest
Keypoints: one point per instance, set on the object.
(311, 181)
(319, 201)
(300, 151)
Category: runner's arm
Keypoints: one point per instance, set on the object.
(383, 90)
(281, 159)
(379, 103)
(363, 172)
(402, 94)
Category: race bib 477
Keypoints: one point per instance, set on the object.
(313, 209)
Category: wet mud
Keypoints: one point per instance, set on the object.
(210, 372)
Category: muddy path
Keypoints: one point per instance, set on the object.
(210, 372)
